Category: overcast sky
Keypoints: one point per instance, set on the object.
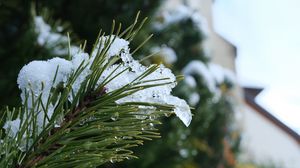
(267, 35)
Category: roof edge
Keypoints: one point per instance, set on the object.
(250, 94)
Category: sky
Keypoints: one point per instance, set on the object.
(267, 35)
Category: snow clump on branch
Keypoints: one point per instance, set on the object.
(37, 79)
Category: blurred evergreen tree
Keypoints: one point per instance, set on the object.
(87, 17)
(211, 140)
(84, 19)
(16, 41)
(19, 44)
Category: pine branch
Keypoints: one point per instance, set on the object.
(88, 116)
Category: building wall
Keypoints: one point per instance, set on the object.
(263, 142)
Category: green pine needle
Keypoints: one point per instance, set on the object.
(94, 129)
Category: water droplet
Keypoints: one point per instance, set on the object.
(143, 129)
(115, 116)
(167, 114)
(111, 160)
(126, 137)
(151, 124)
(152, 117)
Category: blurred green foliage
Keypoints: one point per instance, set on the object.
(211, 140)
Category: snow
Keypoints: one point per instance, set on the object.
(117, 46)
(55, 42)
(42, 29)
(12, 127)
(230, 76)
(182, 109)
(42, 82)
(190, 81)
(132, 69)
(184, 153)
(120, 81)
(199, 68)
(168, 53)
(64, 68)
(146, 94)
(213, 76)
(37, 79)
(75, 50)
(78, 59)
(221, 74)
(194, 99)
(158, 94)
(45, 35)
(180, 13)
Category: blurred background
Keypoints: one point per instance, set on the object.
(239, 58)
